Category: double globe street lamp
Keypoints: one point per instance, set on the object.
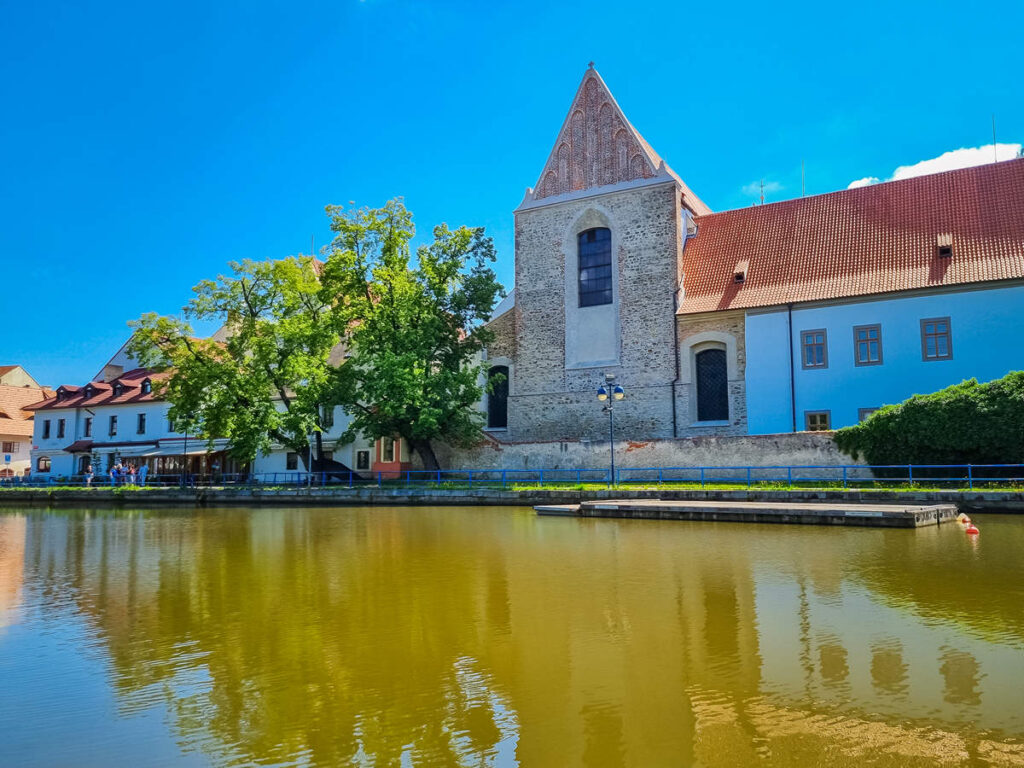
(609, 393)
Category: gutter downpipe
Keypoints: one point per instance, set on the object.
(675, 347)
(792, 370)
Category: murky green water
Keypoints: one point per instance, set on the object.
(450, 637)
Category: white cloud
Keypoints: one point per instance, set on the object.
(753, 189)
(965, 157)
(863, 182)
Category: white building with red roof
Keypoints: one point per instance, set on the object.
(806, 314)
(18, 390)
(119, 417)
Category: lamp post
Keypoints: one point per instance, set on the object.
(609, 393)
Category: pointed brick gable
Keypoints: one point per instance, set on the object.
(596, 146)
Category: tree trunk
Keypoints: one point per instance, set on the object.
(426, 453)
(318, 462)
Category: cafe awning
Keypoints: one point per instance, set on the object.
(179, 450)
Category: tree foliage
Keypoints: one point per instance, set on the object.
(967, 423)
(414, 330)
(270, 378)
(410, 334)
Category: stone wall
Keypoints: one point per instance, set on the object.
(696, 332)
(547, 399)
(788, 449)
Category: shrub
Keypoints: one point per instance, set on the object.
(967, 423)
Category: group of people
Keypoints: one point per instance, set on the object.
(122, 474)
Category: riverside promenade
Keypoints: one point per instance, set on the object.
(965, 500)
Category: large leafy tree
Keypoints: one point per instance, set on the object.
(414, 327)
(270, 378)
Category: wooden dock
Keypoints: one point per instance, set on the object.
(797, 513)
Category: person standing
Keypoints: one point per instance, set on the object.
(113, 474)
(143, 471)
(88, 475)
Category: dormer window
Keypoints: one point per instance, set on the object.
(147, 386)
(61, 394)
(89, 391)
(739, 272)
(118, 389)
(944, 244)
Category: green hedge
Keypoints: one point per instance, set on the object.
(967, 423)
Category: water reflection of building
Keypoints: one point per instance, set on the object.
(458, 636)
(12, 566)
(868, 646)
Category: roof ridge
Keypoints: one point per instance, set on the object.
(877, 185)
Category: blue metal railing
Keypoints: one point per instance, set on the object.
(847, 476)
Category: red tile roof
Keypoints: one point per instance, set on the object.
(103, 392)
(871, 240)
(15, 413)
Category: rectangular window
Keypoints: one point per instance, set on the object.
(291, 461)
(815, 348)
(170, 425)
(141, 425)
(936, 339)
(46, 430)
(594, 249)
(60, 427)
(867, 344)
(87, 427)
(328, 419)
(362, 459)
(113, 426)
(818, 421)
(9, 448)
(387, 449)
(864, 413)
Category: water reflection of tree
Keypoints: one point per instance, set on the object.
(342, 637)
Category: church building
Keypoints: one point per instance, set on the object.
(807, 314)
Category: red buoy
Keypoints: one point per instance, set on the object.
(972, 529)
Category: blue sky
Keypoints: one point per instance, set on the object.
(144, 145)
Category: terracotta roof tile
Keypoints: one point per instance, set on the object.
(15, 416)
(871, 240)
(102, 393)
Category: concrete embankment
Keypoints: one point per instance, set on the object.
(858, 514)
(425, 496)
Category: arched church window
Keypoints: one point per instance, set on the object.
(595, 265)
(712, 385)
(497, 398)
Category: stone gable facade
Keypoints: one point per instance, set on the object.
(601, 174)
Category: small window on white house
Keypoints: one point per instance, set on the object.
(815, 348)
(147, 386)
(818, 421)
(867, 345)
(43, 464)
(863, 414)
(362, 459)
(387, 449)
(113, 426)
(140, 427)
(936, 339)
(60, 427)
(46, 429)
(291, 461)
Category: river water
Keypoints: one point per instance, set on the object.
(489, 636)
